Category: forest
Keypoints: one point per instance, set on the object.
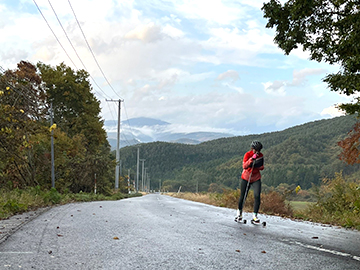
(302, 155)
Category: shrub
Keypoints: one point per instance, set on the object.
(273, 203)
(338, 202)
(52, 197)
(12, 206)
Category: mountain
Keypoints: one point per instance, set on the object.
(301, 155)
(144, 130)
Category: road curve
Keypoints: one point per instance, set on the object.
(161, 232)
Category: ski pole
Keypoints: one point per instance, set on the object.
(248, 184)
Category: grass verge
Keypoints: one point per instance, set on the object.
(21, 200)
(338, 203)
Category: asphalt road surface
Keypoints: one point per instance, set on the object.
(160, 232)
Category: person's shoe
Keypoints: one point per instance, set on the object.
(238, 217)
(255, 219)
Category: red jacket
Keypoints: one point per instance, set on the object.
(247, 167)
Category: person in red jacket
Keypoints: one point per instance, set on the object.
(253, 163)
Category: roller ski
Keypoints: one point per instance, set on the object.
(239, 218)
(256, 221)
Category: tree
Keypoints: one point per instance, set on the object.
(77, 113)
(329, 30)
(81, 148)
(350, 146)
(22, 111)
(76, 109)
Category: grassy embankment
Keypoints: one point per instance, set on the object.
(21, 200)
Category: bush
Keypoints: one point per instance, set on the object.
(338, 202)
(52, 197)
(12, 206)
(273, 203)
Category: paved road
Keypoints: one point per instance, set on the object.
(161, 232)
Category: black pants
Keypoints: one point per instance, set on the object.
(257, 190)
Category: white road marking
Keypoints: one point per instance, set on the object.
(16, 252)
(328, 250)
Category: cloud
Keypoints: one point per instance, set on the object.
(146, 33)
(238, 46)
(163, 57)
(212, 12)
(276, 88)
(299, 76)
(332, 111)
(230, 74)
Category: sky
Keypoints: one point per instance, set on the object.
(200, 65)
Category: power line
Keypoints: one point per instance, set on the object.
(97, 63)
(54, 34)
(128, 121)
(87, 43)
(80, 57)
(75, 49)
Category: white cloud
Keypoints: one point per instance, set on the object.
(173, 32)
(174, 60)
(332, 111)
(146, 33)
(230, 74)
(215, 11)
(299, 76)
(238, 46)
(276, 88)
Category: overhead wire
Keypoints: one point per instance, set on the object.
(92, 53)
(97, 63)
(54, 34)
(76, 50)
(69, 42)
(128, 121)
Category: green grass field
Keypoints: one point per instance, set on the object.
(300, 206)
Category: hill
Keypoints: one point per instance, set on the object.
(303, 155)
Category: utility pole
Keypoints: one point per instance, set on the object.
(142, 177)
(145, 181)
(129, 181)
(120, 168)
(117, 170)
(95, 184)
(137, 170)
(52, 148)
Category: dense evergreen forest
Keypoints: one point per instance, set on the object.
(301, 155)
